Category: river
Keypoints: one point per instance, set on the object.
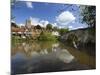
(37, 57)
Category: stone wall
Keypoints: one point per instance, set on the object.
(81, 37)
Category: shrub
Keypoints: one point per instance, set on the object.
(46, 36)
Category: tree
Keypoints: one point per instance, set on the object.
(12, 1)
(88, 15)
(55, 28)
(62, 31)
(12, 17)
(14, 4)
(38, 27)
(46, 36)
(14, 25)
(49, 26)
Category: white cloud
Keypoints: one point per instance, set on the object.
(13, 21)
(35, 21)
(54, 24)
(73, 28)
(62, 26)
(70, 27)
(44, 23)
(29, 4)
(21, 24)
(65, 18)
(80, 27)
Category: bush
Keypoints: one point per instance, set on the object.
(47, 36)
(63, 31)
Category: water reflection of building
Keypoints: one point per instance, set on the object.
(36, 49)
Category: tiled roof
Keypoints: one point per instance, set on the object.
(13, 29)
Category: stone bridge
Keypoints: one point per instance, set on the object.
(81, 35)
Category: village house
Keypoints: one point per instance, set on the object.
(29, 30)
(55, 33)
(22, 30)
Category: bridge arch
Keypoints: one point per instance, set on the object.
(72, 38)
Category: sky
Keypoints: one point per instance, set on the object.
(59, 15)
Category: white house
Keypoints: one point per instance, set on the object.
(55, 33)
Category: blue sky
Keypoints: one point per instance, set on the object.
(60, 15)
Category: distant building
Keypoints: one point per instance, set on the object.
(28, 23)
(30, 30)
(56, 33)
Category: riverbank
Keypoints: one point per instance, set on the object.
(44, 36)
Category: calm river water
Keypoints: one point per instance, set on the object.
(36, 57)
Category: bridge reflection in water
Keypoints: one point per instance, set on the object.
(38, 57)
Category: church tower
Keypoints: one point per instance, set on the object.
(29, 22)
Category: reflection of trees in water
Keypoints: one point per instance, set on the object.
(44, 49)
(45, 55)
(34, 48)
